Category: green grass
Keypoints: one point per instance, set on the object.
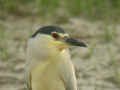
(9, 6)
(46, 7)
(109, 34)
(96, 9)
(3, 46)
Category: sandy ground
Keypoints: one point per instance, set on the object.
(97, 67)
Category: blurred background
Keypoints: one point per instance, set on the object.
(96, 22)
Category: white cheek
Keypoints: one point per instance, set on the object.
(37, 49)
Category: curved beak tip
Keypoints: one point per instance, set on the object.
(81, 44)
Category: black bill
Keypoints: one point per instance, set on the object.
(75, 42)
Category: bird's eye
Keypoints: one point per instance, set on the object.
(55, 35)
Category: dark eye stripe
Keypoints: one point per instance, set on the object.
(48, 30)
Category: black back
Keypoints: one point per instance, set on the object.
(48, 30)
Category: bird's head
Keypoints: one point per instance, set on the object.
(55, 37)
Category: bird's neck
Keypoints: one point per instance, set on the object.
(53, 59)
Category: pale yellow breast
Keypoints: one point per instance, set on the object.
(45, 76)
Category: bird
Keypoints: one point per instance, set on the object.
(48, 62)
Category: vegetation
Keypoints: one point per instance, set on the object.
(3, 46)
(98, 9)
(58, 12)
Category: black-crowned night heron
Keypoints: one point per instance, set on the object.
(49, 65)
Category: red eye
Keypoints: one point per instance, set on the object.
(55, 35)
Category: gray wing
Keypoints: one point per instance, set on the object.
(68, 74)
(27, 76)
